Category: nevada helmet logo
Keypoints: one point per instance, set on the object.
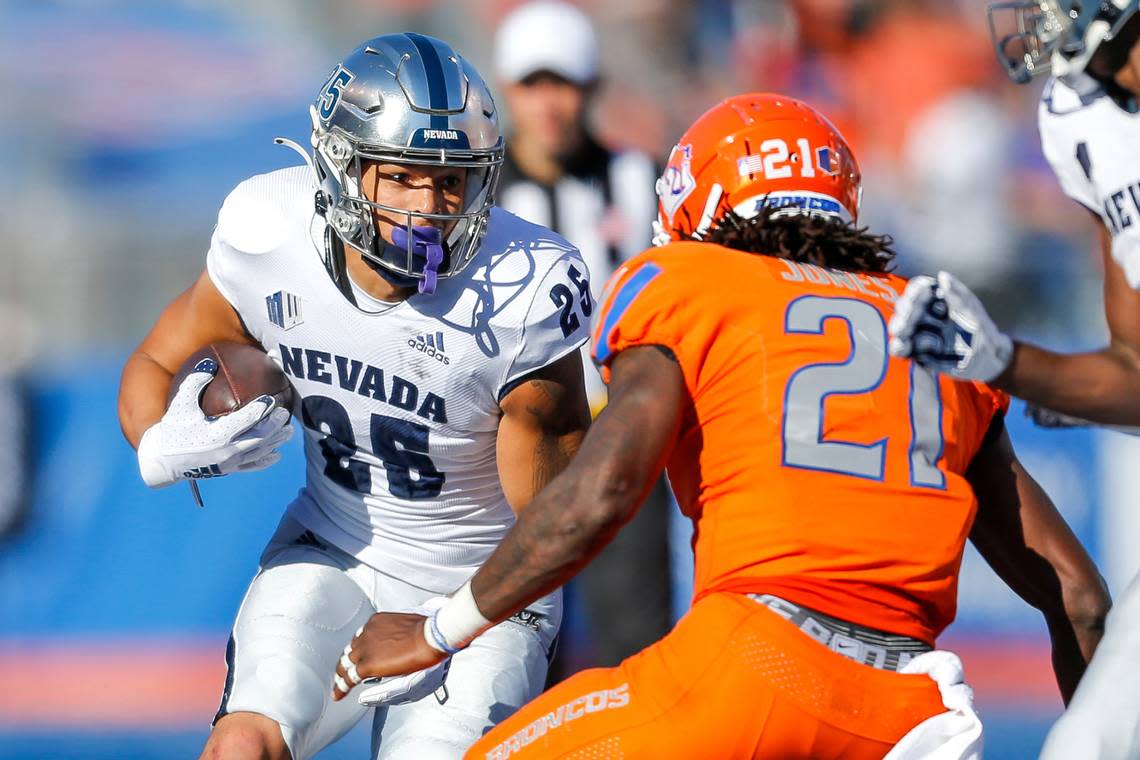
(677, 182)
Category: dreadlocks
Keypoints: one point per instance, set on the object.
(830, 243)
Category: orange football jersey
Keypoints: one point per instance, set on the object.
(815, 466)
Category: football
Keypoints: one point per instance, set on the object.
(244, 373)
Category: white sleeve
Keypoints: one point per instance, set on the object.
(1062, 147)
(1068, 129)
(557, 320)
(219, 265)
(248, 224)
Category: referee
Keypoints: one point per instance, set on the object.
(558, 175)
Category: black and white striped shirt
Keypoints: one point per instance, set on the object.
(604, 204)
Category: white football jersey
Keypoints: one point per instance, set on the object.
(399, 402)
(1093, 146)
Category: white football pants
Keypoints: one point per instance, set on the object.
(307, 601)
(1103, 719)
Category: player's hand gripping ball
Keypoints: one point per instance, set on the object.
(229, 412)
(244, 374)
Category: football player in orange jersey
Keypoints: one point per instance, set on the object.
(832, 487)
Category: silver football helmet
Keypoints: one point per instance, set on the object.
(406, 99)
(1060, 37)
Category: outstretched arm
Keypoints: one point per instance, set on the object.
(941, 325)
(1028, 544)
(1100, 386)
(565, 525)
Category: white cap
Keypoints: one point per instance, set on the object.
(546, 36)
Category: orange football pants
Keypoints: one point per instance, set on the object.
(732, 680)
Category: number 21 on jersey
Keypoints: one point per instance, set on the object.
(862, 372)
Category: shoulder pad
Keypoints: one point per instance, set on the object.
(254, 218)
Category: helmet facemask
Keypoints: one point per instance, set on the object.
(409, 100)
(1050, 36)
(411, 255)
(1025, 46)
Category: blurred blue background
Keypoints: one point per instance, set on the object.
(128, 123)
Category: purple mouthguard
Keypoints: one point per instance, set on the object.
(426, 243)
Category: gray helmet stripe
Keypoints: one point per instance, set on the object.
(437, 84)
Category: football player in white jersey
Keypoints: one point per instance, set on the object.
(1090, 133)
(433, 342)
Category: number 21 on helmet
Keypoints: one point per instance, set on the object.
(752, 152)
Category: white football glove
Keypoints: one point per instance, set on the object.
(941, 325)
(186, 443)
(400, 690)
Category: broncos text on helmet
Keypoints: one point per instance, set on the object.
(751, 152)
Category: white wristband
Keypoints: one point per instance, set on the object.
(454, 625)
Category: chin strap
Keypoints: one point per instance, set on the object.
(427, 242)
(334, 248)
(334, 263)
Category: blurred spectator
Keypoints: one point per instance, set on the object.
(914, 86)
(934, 140)
(556, 173)
(879, 68)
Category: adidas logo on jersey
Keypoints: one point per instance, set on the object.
(432, 345)
(284, 309)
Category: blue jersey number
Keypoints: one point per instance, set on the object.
(565, 300)
(862, 372)
(334, 88)
(401, 445)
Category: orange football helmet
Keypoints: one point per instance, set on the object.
(751, 152)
